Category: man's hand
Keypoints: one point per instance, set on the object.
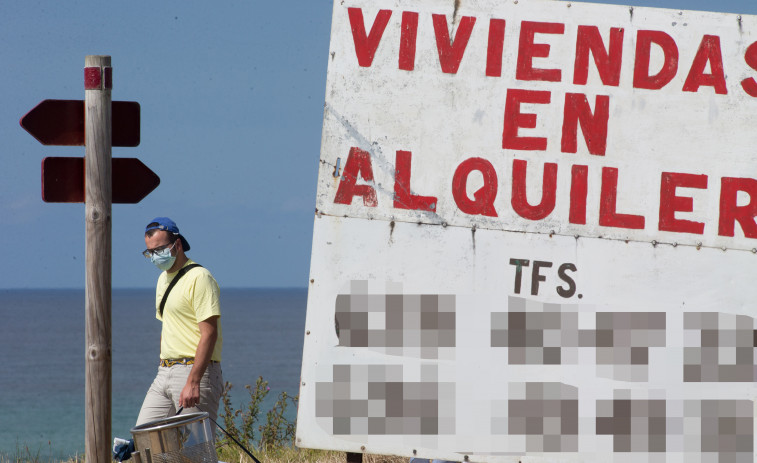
(190, 395)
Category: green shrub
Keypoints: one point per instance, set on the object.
(246, 427)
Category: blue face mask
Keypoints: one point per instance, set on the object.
(163, 258)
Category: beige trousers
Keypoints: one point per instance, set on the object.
(162, 399)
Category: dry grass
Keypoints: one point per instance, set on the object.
(295, 455)
(279, 455)
(26, 454)
(38, 458)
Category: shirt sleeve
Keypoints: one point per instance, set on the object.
(205, 296)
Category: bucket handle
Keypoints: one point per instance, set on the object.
(149, 460)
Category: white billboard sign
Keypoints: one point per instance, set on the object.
(535, 234)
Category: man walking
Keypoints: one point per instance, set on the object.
(187, 303)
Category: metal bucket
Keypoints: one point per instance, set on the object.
(178, 439)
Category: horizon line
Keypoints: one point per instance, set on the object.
(75, 288)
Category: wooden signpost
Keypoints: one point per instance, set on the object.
(97, 203)
(63, 180)
(98, 123)
(61, 122)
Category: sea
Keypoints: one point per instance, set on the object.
(42, 345)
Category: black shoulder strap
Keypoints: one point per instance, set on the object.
(173, 283)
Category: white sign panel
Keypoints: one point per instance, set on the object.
(535, 234)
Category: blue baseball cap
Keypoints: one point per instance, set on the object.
(166, 224)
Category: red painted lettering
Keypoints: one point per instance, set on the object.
(407, 40)
(483, 202)
(608, 215)
(549, 189)
(709, 52)
(750, 85)
(495, 47)
(593, 126)
(403, 196)
(358, 165)
(451, 51)
(608, 63)
(367, 44)
(514, 119)
(578, 193)
(644, 41)
(528, 50)
(730, 212)
(670, 203)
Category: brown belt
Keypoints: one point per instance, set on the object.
(181, 361)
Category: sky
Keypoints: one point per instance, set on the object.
(231, 97)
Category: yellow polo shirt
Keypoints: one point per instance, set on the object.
(196, 297)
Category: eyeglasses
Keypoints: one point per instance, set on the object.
(150, 252)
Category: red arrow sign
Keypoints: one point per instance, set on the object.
(63, 180)
(61, 122)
